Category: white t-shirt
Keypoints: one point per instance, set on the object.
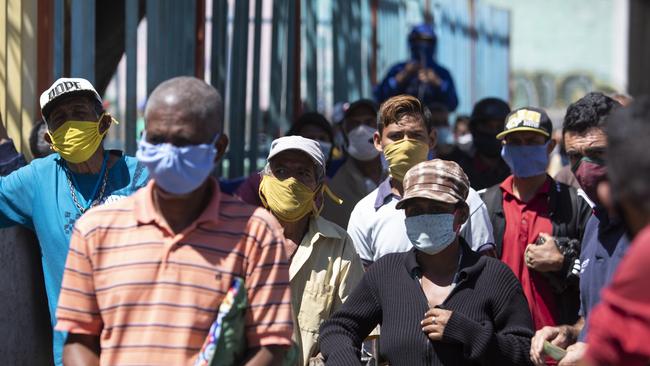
(377, 227)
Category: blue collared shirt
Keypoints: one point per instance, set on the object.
(603, 246)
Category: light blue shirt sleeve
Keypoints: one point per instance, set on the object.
(17, 197)
(477, 231)
(360, 234)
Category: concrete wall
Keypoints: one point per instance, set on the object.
(563, 49)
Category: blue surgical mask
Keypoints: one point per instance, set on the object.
(526, 160)
(177, 170)
(431, 233)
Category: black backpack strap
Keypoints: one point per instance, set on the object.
(493, 198)
(568, 211)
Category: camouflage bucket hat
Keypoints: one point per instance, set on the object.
(438, 180)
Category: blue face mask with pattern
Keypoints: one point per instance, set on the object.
(526, 160)
(177, 170)
(431, 233)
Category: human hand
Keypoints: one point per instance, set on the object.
(429, 76)
(411, 67)
(558, 336)
(545, 257)
(574, 353)
(434, 323)
(318, 360)
(409, 70)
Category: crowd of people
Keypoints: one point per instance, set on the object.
(418, 245)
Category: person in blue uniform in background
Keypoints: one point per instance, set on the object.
(421, 76)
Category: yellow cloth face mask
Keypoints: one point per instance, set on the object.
(77, 141)
(288, 199)
(403, 154)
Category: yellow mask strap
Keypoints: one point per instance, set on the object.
(332, 195)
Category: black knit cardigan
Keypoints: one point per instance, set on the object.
(490, 322)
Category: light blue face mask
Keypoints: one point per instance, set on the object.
(177, 170)
(430, 233)
(526, 160)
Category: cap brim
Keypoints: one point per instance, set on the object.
(273, 154)
(47, 108)
(503, 134)
(434, 196)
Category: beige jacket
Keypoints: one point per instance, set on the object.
(323, 272)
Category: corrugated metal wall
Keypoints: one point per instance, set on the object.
(332, 55)
(18, 64)
(473, 43)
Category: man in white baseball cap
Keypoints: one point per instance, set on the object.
(324, 264)
(51, 193)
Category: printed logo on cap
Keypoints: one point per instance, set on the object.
(524, 118)
(64, 87)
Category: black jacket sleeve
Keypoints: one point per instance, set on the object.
(341, 336)
(506, 340)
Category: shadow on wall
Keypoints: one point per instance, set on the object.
(553, 91)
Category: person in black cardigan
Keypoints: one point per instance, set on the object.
(440, 303)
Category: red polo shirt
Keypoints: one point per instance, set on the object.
(524, 222)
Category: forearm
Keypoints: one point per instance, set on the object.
(263, 356)
(576, 328)
(482, 342)
(81, 350)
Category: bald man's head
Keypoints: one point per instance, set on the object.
(184, 111)
(194, 99)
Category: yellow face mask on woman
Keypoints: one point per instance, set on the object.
(288, 199)
(77, 141)
(403, 154)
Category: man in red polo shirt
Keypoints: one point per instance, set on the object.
(538, 223)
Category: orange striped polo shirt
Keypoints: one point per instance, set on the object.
(151, 295)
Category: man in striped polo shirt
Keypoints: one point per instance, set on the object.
(146, 275)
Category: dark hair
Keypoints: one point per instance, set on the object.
(37, 144)
(461, 119)
(628, 161)
(312, 118)
(399, 106)
(489, 109)
(589, 111)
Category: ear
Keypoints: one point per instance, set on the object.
(105, 123)
(551, 146)
(376, 138)
(221, 145)
(461, 215)
(47, 138)
(433, 139)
